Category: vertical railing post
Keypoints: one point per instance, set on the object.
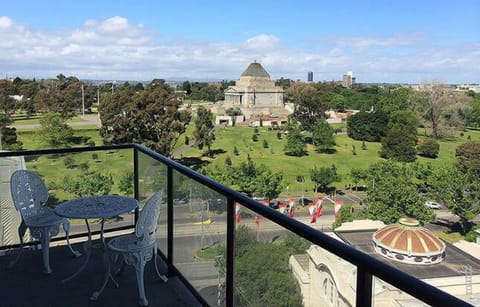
(169, 218)
(229, 293)
(364, 287)
(136, 193)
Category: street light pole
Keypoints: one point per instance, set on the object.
(83, 102)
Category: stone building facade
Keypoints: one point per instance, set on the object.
(255, 89)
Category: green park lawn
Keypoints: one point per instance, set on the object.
(291, 167)
(241, 137)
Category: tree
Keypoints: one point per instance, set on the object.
(422, 172)
(404, 119)
(126, 183)
(428, 148)
(357, 174)
(96, 184)
(367, 126)
(7, 103)
(322, 177)
(263, 280)
(468, 156)
(472, 114)
(398, 145)
(438, 106)
(344, 215)
(322, 136)
(152, 117)
(54, 131)
(396, 99)
(459, 191)
(233, 113)
(309, 104)
(295, 145)
(392, 194)
(8, 135)
(204, 129)
(255, 179)
(47, 101)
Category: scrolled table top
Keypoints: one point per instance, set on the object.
(103, 206)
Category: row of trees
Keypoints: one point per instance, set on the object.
(392, 188)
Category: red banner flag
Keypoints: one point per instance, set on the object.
(313, 214)
(237, 213)
(257, 221)
(338, 205)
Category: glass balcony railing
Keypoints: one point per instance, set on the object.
(228, 249)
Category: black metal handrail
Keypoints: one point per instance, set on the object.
(367, 266)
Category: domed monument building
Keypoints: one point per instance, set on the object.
(254, 89)
(257, 96)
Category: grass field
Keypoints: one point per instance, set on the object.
(273, 157)
(291, 167)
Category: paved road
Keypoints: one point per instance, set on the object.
(89, 119)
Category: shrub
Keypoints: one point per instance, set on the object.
(471, 236)
(428, 148)
(265, 144)
(69, 162)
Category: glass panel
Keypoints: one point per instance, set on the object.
(387, 295)
(275, 267)
(69, 176)
(200, 237)
(152, 177)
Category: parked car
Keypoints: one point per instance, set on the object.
(304, 201)
(433, 205)
(275, 203)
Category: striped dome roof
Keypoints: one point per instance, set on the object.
(409, 239)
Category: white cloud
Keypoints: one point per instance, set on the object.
(262, 42)
(114, 24)
(5, 22)
(116, 49)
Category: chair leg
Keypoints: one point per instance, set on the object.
(139, 268)
(21, 233)
(66, 228)
(45, 242)
(162, 277)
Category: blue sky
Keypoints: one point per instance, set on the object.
(380, 41)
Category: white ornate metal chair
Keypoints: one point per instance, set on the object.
(138, 248)
(29, 193)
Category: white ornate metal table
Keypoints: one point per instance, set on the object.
(95, 207)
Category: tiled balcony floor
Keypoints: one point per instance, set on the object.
(26, 285)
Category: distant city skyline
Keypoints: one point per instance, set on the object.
(380, 41)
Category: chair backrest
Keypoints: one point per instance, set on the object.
(146, 227)
(29, 192)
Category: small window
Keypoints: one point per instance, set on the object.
(399, 257)
(418, 259)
